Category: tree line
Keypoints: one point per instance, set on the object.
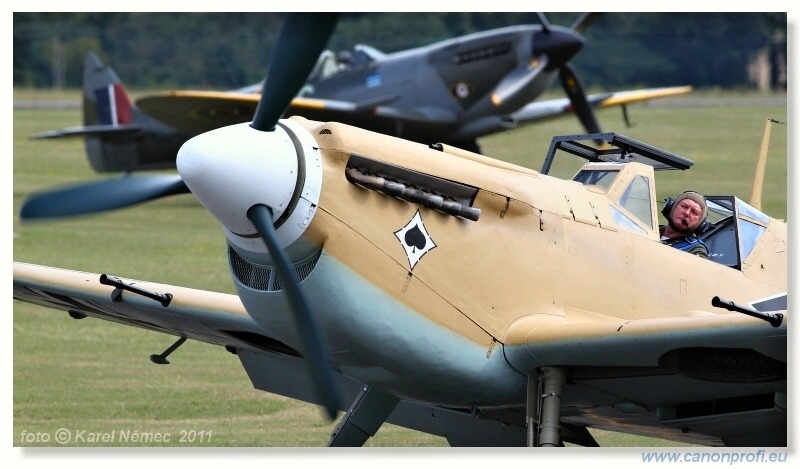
(231, 50)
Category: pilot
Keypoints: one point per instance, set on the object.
(686, 217)
(344, 59)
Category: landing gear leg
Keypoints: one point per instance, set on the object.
(543, 410)
(366, 415)
(532, 410)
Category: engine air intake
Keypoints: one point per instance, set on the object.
(265, 278)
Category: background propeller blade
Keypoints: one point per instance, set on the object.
(543, 21)
(560, 45)
(577, 96)
(94, 197)
(517, 79)
(585, 21)
(303, 37)
(307, 328)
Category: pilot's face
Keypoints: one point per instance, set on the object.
(686, 215)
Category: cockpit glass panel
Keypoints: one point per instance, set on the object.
(636, 199)
(749, 234)
(600, 178)
(751, 212)
(736, 228)
(718, 210)
(324, 68)
(623, 221)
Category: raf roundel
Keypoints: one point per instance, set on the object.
(461, 90)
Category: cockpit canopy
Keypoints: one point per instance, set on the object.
(734, 226)
(330, 63)
(734, 229)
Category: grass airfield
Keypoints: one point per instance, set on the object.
(95, 377)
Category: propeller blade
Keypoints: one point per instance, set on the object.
(577, 96)
(584, 21)
(518, 79)
(307, 328)
(101, 196)
(303, 37)
(543, 21)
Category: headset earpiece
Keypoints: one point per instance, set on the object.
(703, 227)
(668, 203)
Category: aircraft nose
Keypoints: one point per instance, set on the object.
(233, 168)
(559, 44)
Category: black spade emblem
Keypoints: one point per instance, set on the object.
(415, 240)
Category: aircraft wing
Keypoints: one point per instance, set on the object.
(541, 110)
(722, 375)
(90, 130)
(220, 319)
(681, 366)
(214, 318)
(195, 112)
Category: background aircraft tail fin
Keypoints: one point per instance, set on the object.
(118, 136)
(105, 100)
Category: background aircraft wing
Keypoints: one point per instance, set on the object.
(91, 130)
(196, 112)
(220, 319)
(541, 110)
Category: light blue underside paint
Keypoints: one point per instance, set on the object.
(377, 340)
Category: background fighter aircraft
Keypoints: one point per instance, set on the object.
(454, 91)
(454, 294)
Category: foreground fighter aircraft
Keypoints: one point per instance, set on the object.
(451, 293)
(454, 92)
